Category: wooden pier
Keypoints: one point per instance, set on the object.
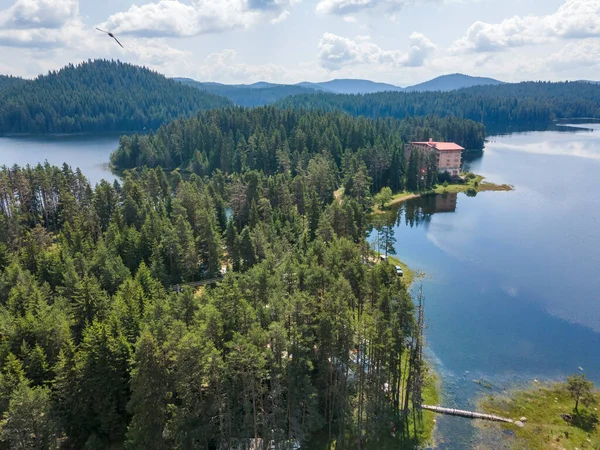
(470, 414)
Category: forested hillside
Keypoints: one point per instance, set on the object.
(8, 81)
(284, 141)
(303, 338)
(248, 96)
(98, 96)
(521, 103)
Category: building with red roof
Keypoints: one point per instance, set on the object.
(448, 154)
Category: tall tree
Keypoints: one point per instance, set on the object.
(149, 396)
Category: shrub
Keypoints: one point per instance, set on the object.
(444, 177)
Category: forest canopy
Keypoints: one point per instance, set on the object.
(518, 103)
(267, 139)
(303, 337)
(97, 96)
(9, 81)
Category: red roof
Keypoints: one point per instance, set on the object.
(442, 146)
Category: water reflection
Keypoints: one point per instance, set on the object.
(418, 211)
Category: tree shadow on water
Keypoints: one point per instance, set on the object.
(585, 420)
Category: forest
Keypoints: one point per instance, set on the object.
(97, 96)
(507, 104)
(107, 96)
(274, 141)
(9, 81)
(303, 341)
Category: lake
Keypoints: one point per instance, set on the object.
(88, 152)
(511, 286)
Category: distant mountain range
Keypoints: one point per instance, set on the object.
(350, 86)
(249, 95)
(452, 82)
(263, 93)
(357, 86)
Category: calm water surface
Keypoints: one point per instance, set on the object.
(512, 286)
(88, 152)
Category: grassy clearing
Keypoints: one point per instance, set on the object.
(545, 428)
(476, 184)
(401, 197)
(431, 396)
(408, 275)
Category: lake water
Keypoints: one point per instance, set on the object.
(512, 285)
(88, 152)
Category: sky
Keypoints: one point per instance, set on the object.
(402, 42)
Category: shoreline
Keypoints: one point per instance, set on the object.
(472, 187)
(432, 388)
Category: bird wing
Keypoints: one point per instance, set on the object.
(101, 30)
(118, 42)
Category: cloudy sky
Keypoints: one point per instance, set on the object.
(396, 41)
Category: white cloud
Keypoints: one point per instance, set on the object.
(173, 18)
(584, 53)
(49, 14)
(345, 7)
(223, 67)
(52, 33)
(574, 19)
(336, 52)
(40, 23)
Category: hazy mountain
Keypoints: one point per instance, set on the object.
(263, 93)
(350, 86)
(315, 86)
(249, 95)
(452, 82)
(259, 85)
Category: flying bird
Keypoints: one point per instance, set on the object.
(111, 35)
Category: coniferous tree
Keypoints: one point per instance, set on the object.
(149, 396)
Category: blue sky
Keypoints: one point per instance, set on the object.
(242, 41)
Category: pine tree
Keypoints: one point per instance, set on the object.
(29, 422)
(149, 396)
